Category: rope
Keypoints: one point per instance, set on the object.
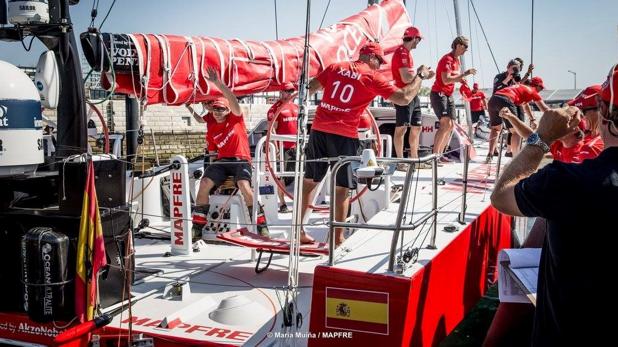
(324, 15)
(484, 35)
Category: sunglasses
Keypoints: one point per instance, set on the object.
(408, 39)
(219, 109)
(463, 44)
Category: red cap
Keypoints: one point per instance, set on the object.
(412, 32)
(586, 99)
(537, 82)
(475, 86)
(373, 48)
(610, 86)
(220, 103)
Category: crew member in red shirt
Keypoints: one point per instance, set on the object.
(227, 135)
(574, 147)
(586, 101)
(441, 96)
(511, 97)
(348, 88)
(477, 100)
(408, 116)
(284, 115)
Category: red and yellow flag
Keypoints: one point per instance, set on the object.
(357, 310)
(90, 251)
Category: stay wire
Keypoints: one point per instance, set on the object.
(484, 35)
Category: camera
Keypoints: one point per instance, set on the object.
(516, 69)
(517, 77)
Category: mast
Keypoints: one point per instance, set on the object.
(463, 67)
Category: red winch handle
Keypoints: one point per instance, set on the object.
(82, 329)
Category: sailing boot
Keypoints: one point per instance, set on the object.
(260, 222)
(200, 220)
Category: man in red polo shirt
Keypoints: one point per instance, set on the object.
(348, 88)
(511, 97)
(441, 96)
(408, 116)
(477, 100)
(226, 135)
(284, 115)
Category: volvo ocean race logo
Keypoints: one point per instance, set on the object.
(4, 121)
(48, 296)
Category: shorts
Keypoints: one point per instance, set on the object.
(289, 157)
(476, 115)
(219, 170)
(409, 115)
(323, 145)
(495, 104)
(443, 106)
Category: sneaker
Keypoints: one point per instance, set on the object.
(424, 165)
(496, 153)
(199, 218)
(508, 154)
(284, 208)
(402, 167)
(488, 159)
(445, 160)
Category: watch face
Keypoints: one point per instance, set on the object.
(533, 138)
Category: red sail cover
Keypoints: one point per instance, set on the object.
(171, 69)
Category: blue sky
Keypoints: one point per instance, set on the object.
(569, 35)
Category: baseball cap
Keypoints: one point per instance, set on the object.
(586, 100)
(220, 103)
(373, 48)
(475, 86)
(537, 82)
(609, 89)
(412, 32)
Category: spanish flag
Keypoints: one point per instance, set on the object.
(90, 251)
(357, 310)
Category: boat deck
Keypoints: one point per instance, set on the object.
(251, 301)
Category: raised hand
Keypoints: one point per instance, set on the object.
(212, 75)
(557, 123)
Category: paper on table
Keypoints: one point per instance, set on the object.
(518, 274)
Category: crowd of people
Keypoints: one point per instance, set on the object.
(582, 138)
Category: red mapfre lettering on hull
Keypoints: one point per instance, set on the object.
(193, 329)
(177, 211)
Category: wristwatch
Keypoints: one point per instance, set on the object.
(535, 140)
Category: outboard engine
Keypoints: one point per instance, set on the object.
(44, 258)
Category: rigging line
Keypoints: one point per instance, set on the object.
(484, 35)
(470, 36)
(414, 15)
(448, 17)
(532, 37)
(107, 14)
(478, 52)
(324, 15)
(435, 28)
(276, 22)
(429, 31)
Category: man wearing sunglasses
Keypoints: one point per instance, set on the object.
(408, 116)
(447, 74)
(577, 200)
(227, 135)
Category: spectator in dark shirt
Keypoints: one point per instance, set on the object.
(579, 202)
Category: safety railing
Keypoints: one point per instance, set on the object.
(397, 227)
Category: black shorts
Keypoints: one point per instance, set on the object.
(476, 115)
(443, 106)
(219, 170)
(409, 115)
(495, 104)
(289, 157)
(325, 145)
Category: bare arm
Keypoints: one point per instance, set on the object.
(449, 77)
(198, 117)
(542, 105)
(520, 127)
(315, 86)
(213, 76)
(404, 95)
(554, 125)
(407, 76)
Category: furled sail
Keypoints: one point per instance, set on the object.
(172, 69)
